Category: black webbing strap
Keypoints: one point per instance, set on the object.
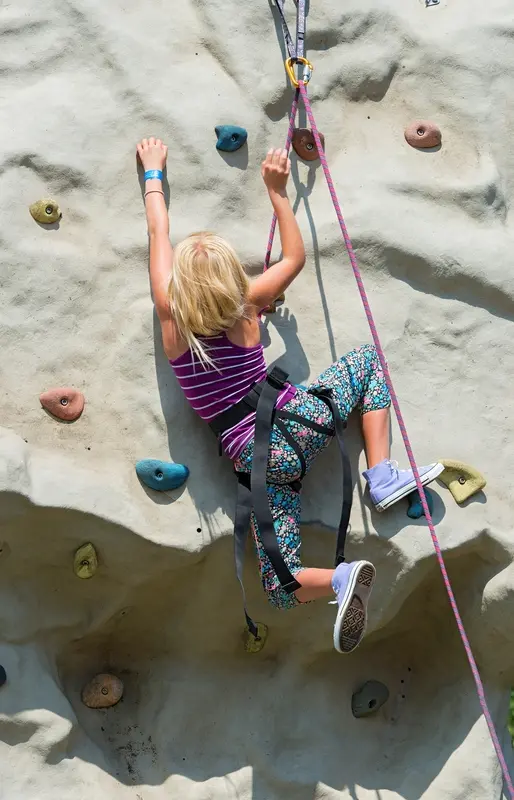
(298, 50)
(259, 486)
(339, 426)
(241, 526)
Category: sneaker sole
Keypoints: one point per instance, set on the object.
(428, 477)
(350, 624)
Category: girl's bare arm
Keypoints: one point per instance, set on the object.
(268, 286)
(153, 153)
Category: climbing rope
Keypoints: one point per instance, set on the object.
(301, 89)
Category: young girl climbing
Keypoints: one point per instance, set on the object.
(209, 314)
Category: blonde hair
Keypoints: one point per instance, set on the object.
(208, 289)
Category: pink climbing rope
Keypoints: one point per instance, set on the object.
(356, 271)
(287, 146)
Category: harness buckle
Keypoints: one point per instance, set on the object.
(277, 377)
(307, 71)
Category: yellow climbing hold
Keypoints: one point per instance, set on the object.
(85, 562)
(510, 720)
(253, 644)
(462, 480)
(45, 211)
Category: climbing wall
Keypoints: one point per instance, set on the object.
(123, 671)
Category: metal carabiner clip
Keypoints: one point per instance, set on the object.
(307, 72)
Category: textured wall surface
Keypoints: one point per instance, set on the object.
(80, 83)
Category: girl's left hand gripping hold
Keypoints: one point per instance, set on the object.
(153, 153)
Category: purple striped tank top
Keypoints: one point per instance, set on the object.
(212, 390)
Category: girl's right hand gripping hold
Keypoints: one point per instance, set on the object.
(275, 280)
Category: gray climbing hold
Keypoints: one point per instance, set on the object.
(369, 699)
(230, 137)
(415, 510)
(3, 675)
(161, 475)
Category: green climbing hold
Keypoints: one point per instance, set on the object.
(370, 697)
(230, 137)
(462, 480)
(161, 475)
(85, 562)
(253, 644)
(415, 510)
(45, 211)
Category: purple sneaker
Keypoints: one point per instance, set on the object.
(388, 484)
(352, 584)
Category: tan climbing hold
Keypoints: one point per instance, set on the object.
(304, 144)
(45, 211)
(85, 562)
(271, 309)
(255, 644)
(103, 691)
(423, 133)
(63, 402)
(462, 480)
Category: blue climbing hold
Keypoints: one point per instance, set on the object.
(415, 510)
(161, 475)
(230, 137)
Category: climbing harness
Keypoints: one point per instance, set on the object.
(301, 90)
(252, 493)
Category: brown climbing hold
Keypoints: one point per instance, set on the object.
(422, 133)
(103, 691)
(64, 402)
(304, 144)
(271, 309)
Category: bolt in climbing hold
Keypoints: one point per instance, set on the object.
(462, 480)
(370, 697)
(230, 137)
(63, 402)
(422, 134)
(45, 211)
(103, 691)
(3, 675)
(161, 475)
(415, 510)
(85, 562)
(253, 644)
(304, 144)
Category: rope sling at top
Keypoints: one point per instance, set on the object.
(301, 91)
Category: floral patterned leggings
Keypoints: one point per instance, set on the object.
(356, 380)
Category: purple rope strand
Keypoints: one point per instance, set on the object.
(406, 441)
(287, 146)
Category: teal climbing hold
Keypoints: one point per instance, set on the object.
(161, 475)
(230, 137)
(415, 510)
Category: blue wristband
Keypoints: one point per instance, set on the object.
(153, 173)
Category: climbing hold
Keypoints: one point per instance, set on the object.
(103, 691)
(304, 144)
(370, 697)
(45, 211)
(422, 133)
(85, 562)
(230, 137)
(510, 719)
(271, 309)
(64, 402)
(3, 675)
(415, 510)
(253, 644)
(161, 475)
(462, 480)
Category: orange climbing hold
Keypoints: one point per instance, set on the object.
(422, 133)
(63, 402)
(304, 144)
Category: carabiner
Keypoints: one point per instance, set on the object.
(306, 73)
